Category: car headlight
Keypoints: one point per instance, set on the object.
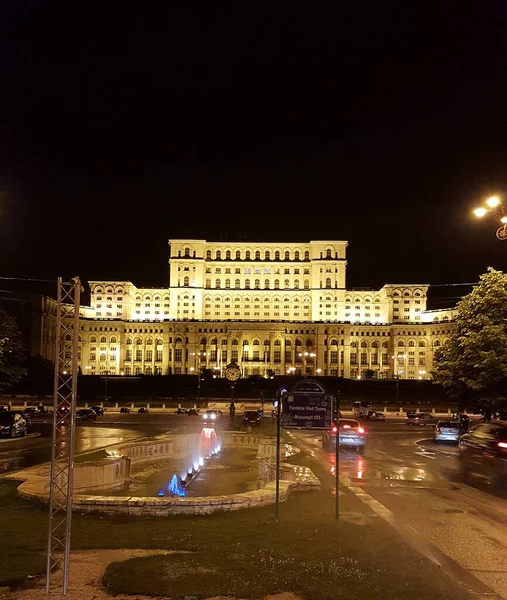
(205, 416)
(213, 417)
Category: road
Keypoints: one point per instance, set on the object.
(407, 480)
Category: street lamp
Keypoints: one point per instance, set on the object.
(396, 359)
(291, 370)
(422, 373)
(495, 208)
(197, 357)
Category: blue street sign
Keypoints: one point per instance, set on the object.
(307, 406)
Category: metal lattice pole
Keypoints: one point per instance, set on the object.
(62, 452)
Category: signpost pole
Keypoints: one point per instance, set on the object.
(277, 480)
(337, 472)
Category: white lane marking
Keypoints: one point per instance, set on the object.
(376, 506)
(380, 451)
(426, 455)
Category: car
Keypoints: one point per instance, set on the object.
(361, 408)
(142, 411)
(251, 417)
(483, 453)
(351, 434)
(212, 414)
(31, 411)
(86, 414)
(417, 418)
(373, 415)
(99, 411)
(12, 424)
(447, 431)
(27, 419)
(63, 411)
(125, 410)
(192, 412)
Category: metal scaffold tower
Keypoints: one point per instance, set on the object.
(62, 454)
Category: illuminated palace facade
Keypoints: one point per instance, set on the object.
(281, 308)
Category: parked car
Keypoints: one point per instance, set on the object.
(483, 452)
(99, 411)
(12, 424)
(212, 414)
(63, 411)
(86, 414)
(447, 431)
(31, 411)
(125, 410)
(27, 419)
(361, 408)
(142, 411)
(374, 415)
(251, 417)
(417, 418)
(351, 434)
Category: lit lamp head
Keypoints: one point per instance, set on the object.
(493, 202)
(479, 212)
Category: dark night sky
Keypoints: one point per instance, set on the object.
(123, 127)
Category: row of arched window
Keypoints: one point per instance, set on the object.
(265, 299)
(108, 290)
(256, 255)
(257, 284)
(148, 297)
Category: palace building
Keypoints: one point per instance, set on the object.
(270, 307)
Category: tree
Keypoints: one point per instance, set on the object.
(11, 351)
(472, 366)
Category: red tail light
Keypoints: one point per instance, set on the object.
(438, 430)
(360, 429)
(334, 429)
(502, 444)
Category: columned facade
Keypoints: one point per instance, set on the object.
(272, 308)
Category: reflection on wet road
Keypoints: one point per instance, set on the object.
(23, 453)
(406, 479)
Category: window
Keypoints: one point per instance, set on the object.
(266, 284)
(267, 255)
(277, 255)
(217, 283)
(228, 255)
(139, 355)
(227, 283)
(247, 255)
(287, 255)
(186, 281)
(328, 282)
(218, 255)
(178, 354)
(296, 284)
(257, 255)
